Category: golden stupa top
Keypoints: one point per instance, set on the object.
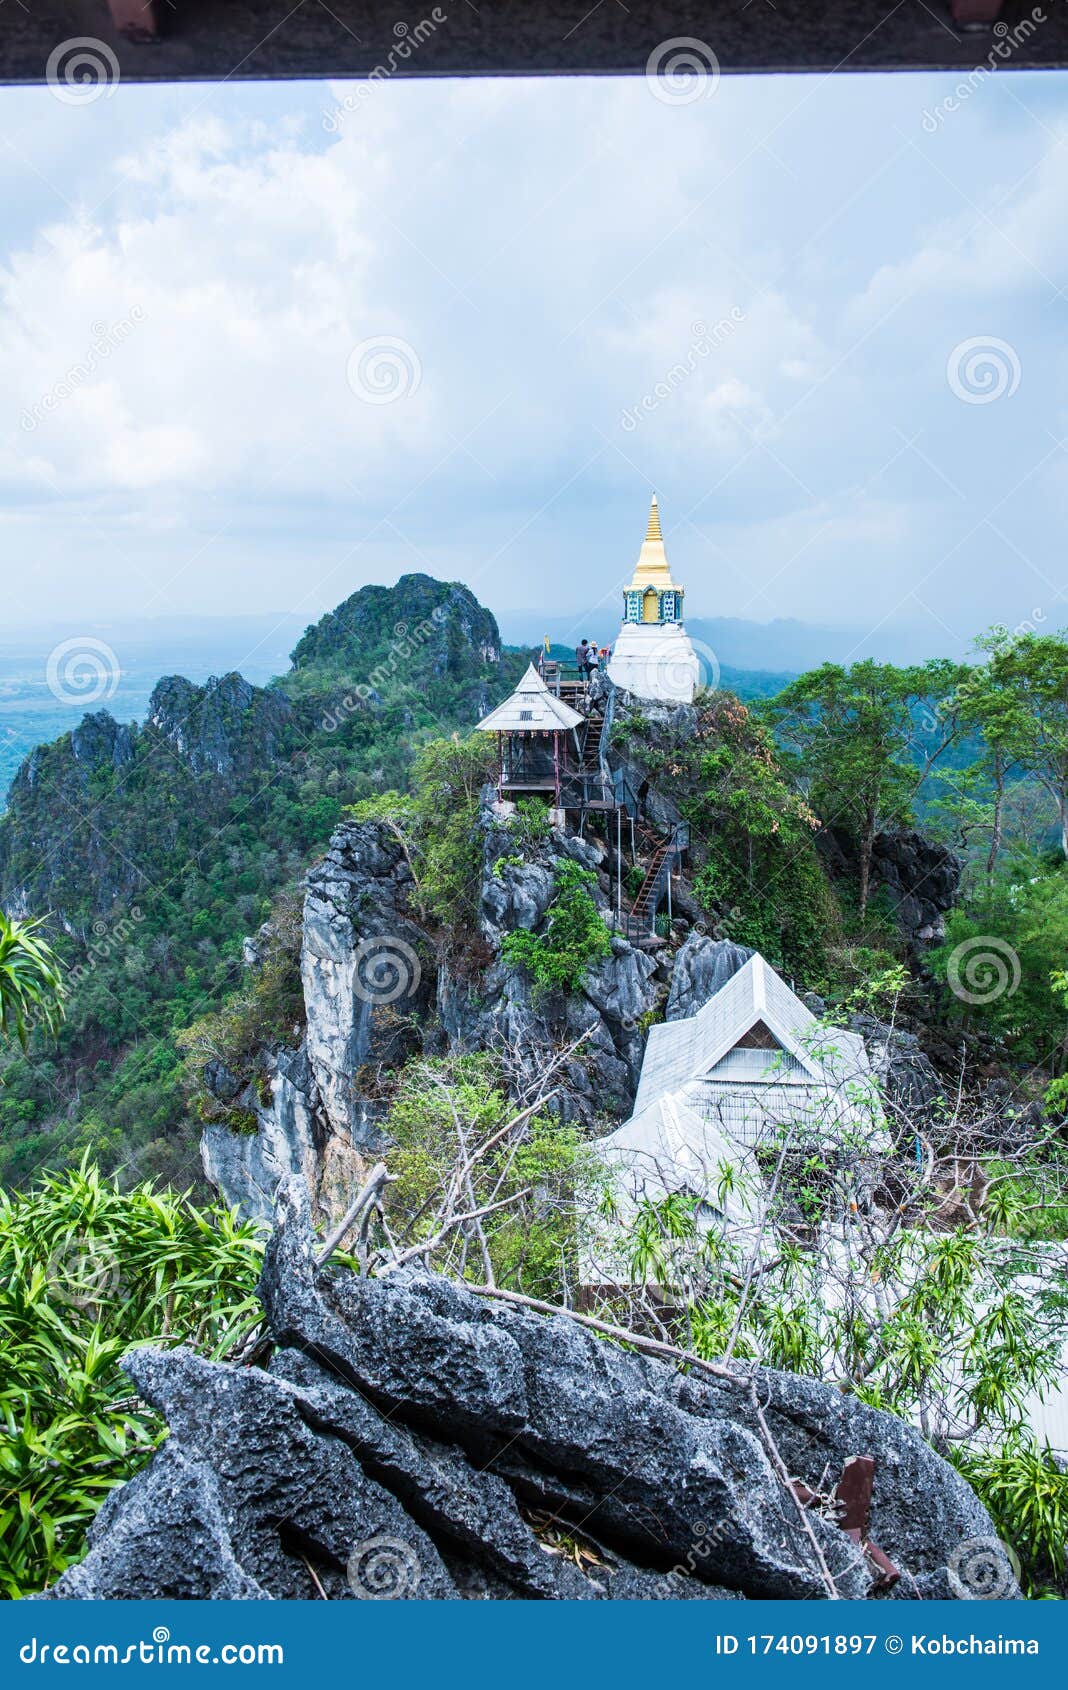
(651, 569)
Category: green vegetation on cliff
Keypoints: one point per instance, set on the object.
(157, 849)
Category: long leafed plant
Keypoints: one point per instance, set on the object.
(88, 1272)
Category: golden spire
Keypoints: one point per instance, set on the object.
(651, 568)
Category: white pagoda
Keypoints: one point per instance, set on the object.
(653, 657)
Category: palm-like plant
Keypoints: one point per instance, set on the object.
(31, 984)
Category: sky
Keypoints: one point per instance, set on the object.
(262, 344)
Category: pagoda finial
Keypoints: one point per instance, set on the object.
(653, 530)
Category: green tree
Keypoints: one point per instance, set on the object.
(1019, 700)
(862, 741)
(1000, 952)
(574, 940)
(437, 826)
(759, 875)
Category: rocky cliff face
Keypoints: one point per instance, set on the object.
(376, 992)
(410, 1439)
(921, 878)
(227, 728)
(90, 815)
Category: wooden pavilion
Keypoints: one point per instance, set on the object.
(537, 739)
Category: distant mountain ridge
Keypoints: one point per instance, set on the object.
(784, 646)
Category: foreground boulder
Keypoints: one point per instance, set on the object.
(410, 1438)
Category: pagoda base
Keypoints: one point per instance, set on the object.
(655, 660)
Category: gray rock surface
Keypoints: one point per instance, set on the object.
(909, 1079)
(292, 1137)
(410, 1438)
(368, 970)
(921, 879)
(376, 994)
(702, 967)
(222, 727)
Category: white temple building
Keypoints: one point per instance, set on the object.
(752, 1071)
(754, 1059)
(653, 656)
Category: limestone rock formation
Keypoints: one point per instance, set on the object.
(227, 727)
(702, 966)
(921, 878)
(376, 993)
(411, 1438)
(290, 1136)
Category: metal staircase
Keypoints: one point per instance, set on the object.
(640, 920)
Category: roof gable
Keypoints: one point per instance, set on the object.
(532, 708)
(754, 998)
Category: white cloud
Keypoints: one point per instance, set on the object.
(552, 254)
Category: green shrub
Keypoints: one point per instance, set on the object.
(444, 1110)
(88, 1272)
(264, 1011)
(1025, 1492)
(530, 824)
(574, 940)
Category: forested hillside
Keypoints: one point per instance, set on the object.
(155, 850)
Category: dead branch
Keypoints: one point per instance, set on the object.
(379, 1177)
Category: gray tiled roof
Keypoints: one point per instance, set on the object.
(532, 708)
(703, 1045)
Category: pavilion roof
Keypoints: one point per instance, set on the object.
(531, 709)
(694, 1048)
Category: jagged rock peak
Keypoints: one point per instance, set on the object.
(225, 726)
(99, 740)
(703, 966)
(420, 625)
(407, 1435)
